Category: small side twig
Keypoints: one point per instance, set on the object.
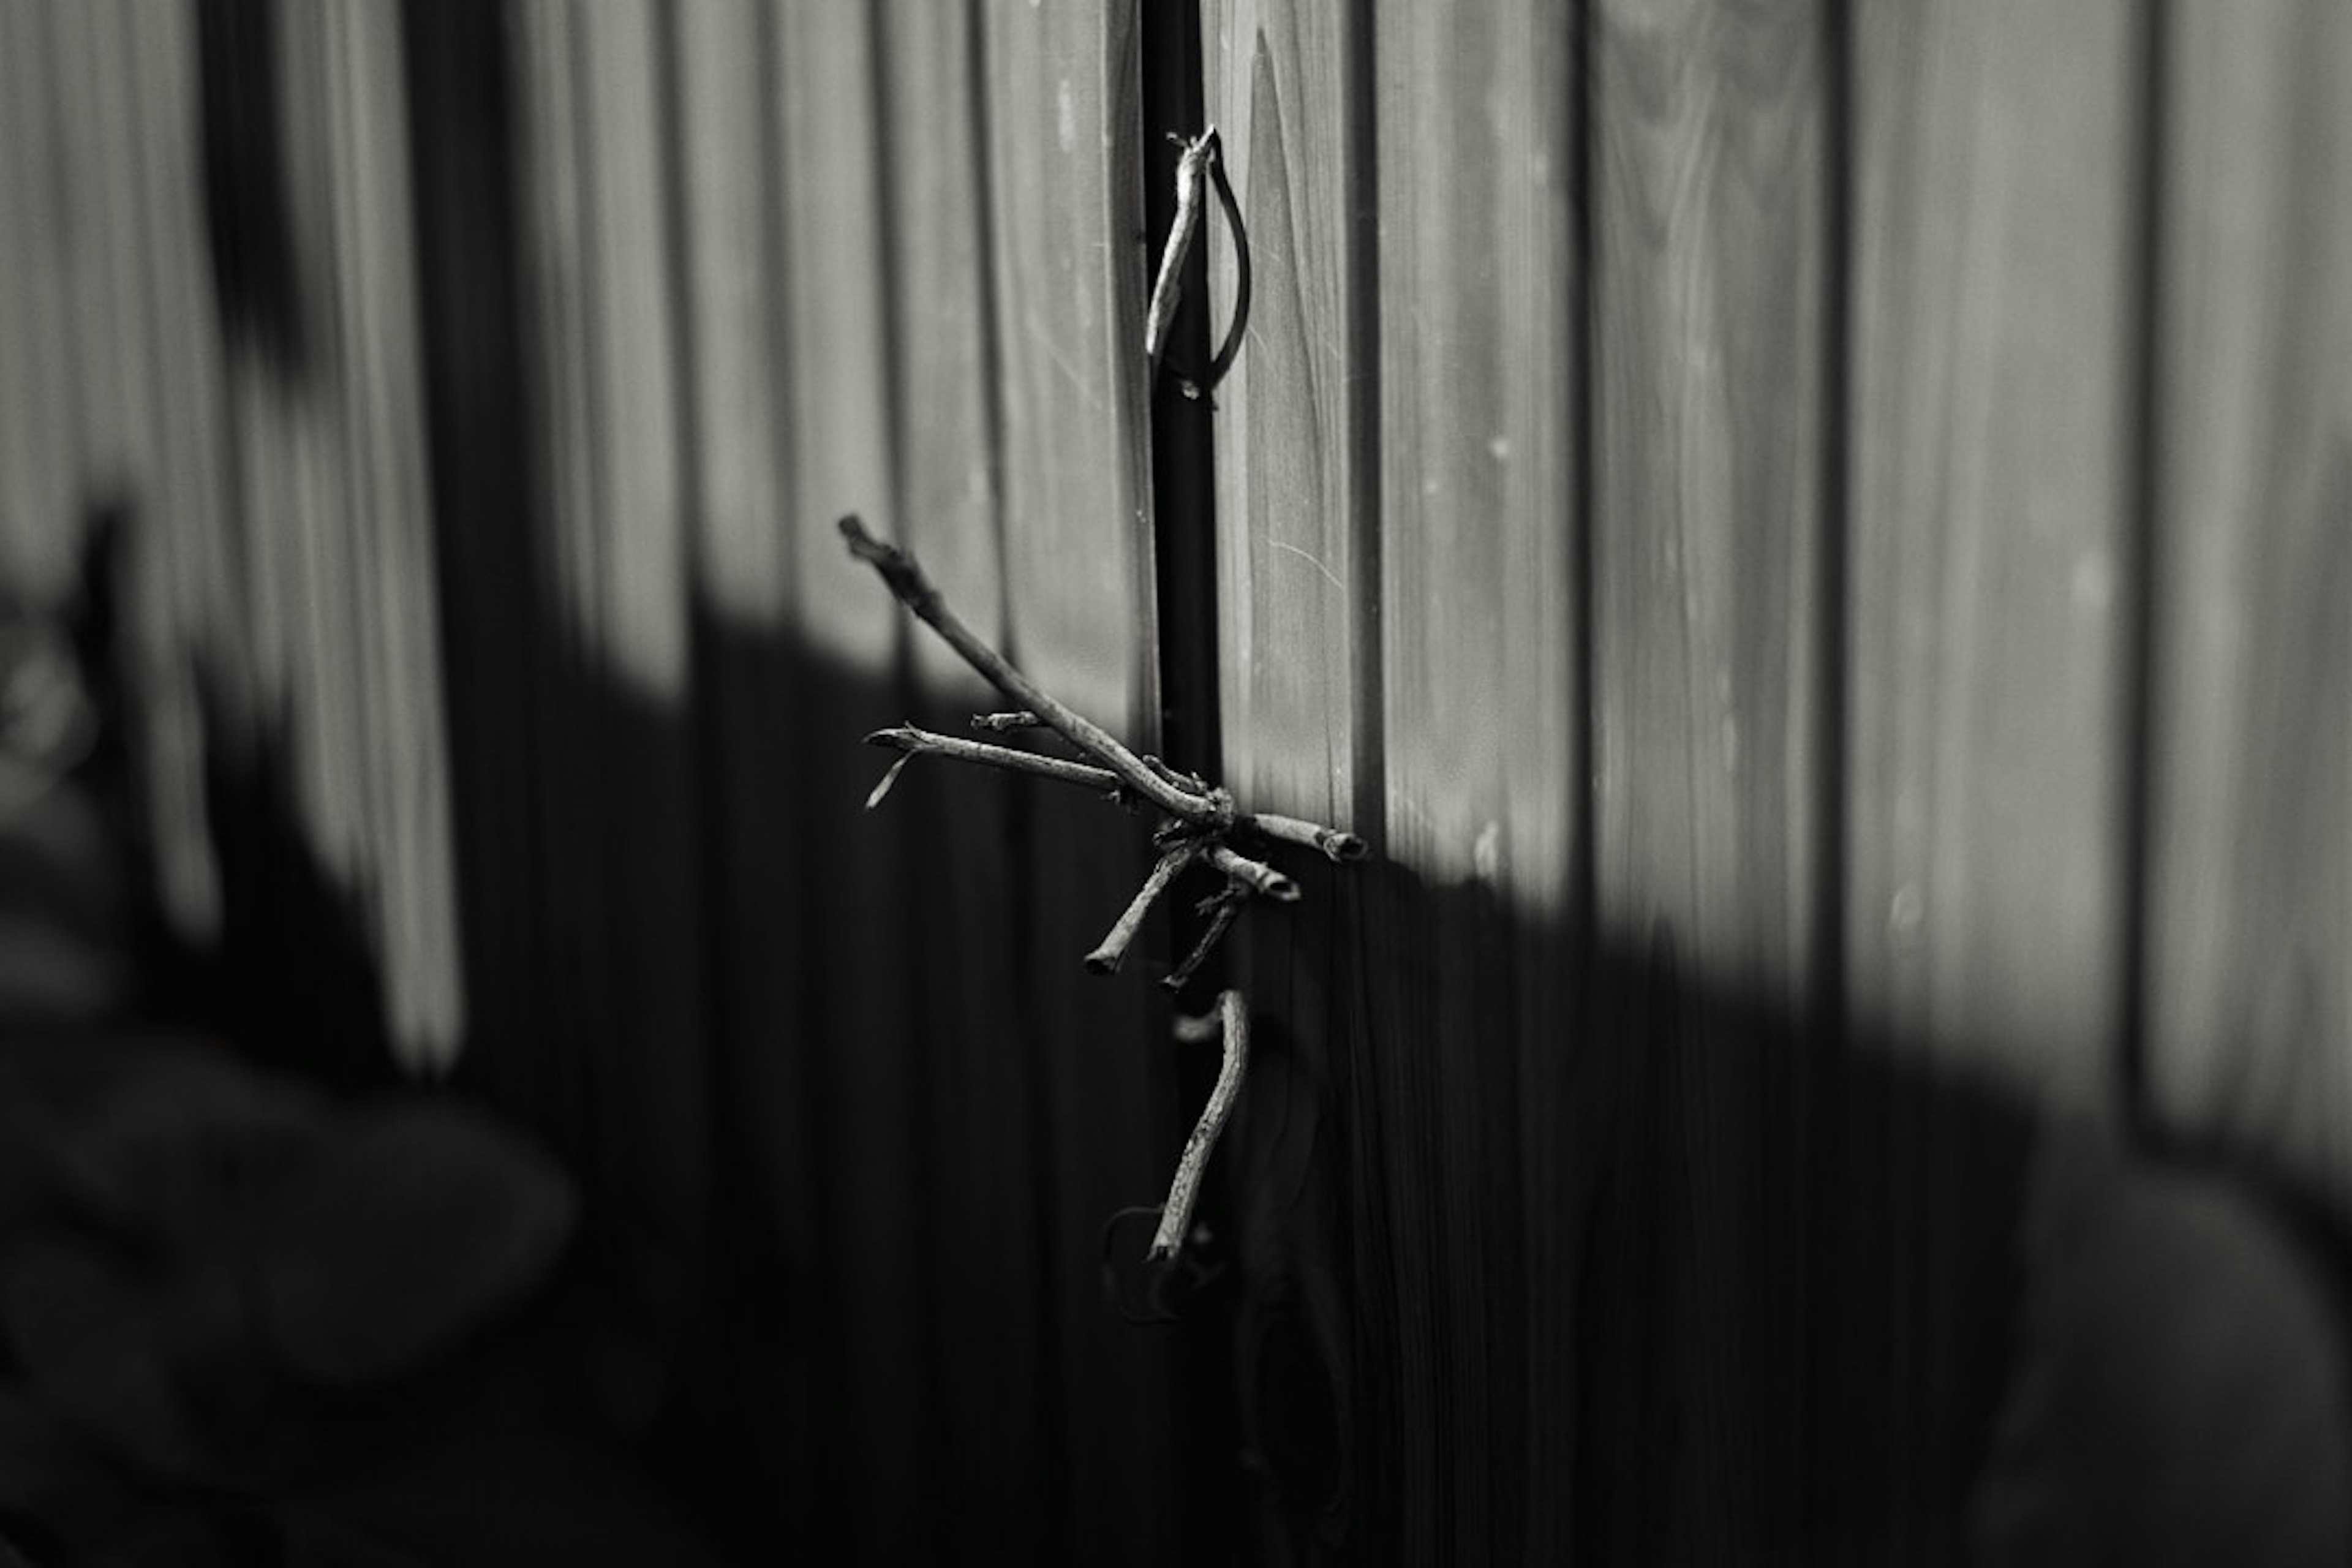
(920, 743)
(1020, 719)
(1232, 347)
(1335, 844)
(1176, 1218)
(1106, 958)
(1256, 875)
(905, 579)
(1199, 156)
(1221, 910)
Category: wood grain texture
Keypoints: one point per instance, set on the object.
(618, 828)
(868, 1271)
(411, 851)
(1061, 149)
(977, 1081)
(38, 391)
(759, 793)
(1293, 505)
(1467, 978)
(1989, 416)
(180, 551)
(1297, 591)
(2249, 878)
(1987, 449)
(1708, 312)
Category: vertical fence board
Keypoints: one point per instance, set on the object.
(22, 393)
(618, 866)
(1063, 111)
(2249, 882)
(975, 1078)
(1989, 419)
(760, 1376)
(1988, 422)
(863, 1015)
(396, 613)
(649, 1110)
(1497, 1296)
(1297, 590)
(1477, 624)
(1708, 280)
(1292, 506)
(42, 380)
(180, 547)
(96, 172)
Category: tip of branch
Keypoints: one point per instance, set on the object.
(862, 544)
(883, 788)
(1280, 889)
(1100, 962)
(1344, 848)
(1198, 1028)
(895, 737)
(1018, 719)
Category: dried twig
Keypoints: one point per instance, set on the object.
(919, 743)
(1257, 876)
(1020, 719)
(1104, 959)
(914, 590)
(1166, 290)
(1220, 910)
(1176, 1216)
(1203, 162)
(1199, 822)
(1240, 323)
(1335, 845)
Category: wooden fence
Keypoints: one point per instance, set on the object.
(1811, 539)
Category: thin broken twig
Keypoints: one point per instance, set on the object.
(1203, 162)
(1222, 911)
(1335, 845)
(1240, 324)
(920, 743)
(1176, 1216)
(1199, 156)
(1256, 875)
(1020, 719)
(1104, 959)
(915, 591)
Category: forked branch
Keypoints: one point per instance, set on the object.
(1199, 825)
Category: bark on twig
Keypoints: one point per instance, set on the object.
(1176, 1216)
(1221, 910)
(898, 569)
(1020, 719)
(1335, 845)
(1104, 959)
(1257, 876)
(918, 743)
(1167, 290)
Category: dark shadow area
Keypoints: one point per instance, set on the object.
(1526, 1240)
(248, 219)
(258, 1301)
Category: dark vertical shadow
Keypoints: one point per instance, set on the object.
(2141, 531)
(1208, 1434)
(554, 770)
(1362, 98)
(1052, 1466)
(1814, 1487)
(247, 223)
